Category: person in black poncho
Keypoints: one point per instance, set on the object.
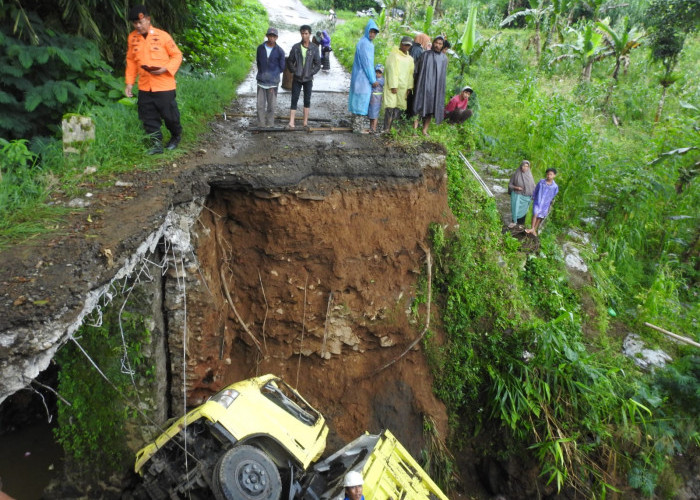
(431, 75)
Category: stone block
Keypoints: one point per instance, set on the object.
(78, 133)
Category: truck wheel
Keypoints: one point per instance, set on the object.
(246, 473)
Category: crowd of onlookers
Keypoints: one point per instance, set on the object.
(410, 83)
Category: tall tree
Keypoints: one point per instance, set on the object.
(669, 22)
(103, 21)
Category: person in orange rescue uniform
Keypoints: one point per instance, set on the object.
(154, 57)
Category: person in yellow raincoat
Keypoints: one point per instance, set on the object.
(399, 81)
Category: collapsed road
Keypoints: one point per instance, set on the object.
(291, 253)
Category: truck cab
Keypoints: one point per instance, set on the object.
(253, 439)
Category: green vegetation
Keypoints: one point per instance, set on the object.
(340, 5)
(531, 363)
(97, 415)
(41, 81)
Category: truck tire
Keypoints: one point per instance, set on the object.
(246, 473)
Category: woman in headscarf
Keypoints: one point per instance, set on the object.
(363, 77)
(520, 187)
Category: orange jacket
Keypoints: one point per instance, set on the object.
(157, 49)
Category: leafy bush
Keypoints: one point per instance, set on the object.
(40, 82)
(16, 176)
(221, 30)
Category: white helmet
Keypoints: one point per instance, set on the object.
(353, 478)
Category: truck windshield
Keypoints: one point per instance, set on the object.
(286, 398)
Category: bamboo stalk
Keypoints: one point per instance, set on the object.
(329, 129)
(673, 335)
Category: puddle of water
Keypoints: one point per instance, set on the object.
(29, 459)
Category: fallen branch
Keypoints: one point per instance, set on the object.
(673, 335)
(325, 326)
(235, 311)
(427, 319)
(303, 325)
(296, 118)
(267, 308)
(329, 129)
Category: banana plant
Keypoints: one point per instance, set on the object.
(558, 21)
(621, 42)
(587, 48)
(537, 15)
(471, 46)
(428, 21)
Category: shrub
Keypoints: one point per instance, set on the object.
(91, 429)
(221, 30)
(40, 82)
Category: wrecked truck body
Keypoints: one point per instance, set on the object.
(260, 440)
(388, 469)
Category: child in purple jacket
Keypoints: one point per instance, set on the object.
(544, 194)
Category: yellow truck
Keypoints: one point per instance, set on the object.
(260, 440)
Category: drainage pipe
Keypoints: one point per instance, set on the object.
(478, 178)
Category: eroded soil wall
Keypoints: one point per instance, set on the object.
(325, 285)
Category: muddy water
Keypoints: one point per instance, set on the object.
(29, 459)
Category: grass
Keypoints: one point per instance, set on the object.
(642, 261)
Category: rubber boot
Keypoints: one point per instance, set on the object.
(173, 142)
(156, 147)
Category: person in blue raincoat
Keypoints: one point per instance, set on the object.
(363, 77)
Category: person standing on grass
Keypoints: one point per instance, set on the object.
(270, 61)
(520, 187)
(431, 78)
(304, 62)
(153, 56)
(543, 197)
(399, 82)
(363, 77)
